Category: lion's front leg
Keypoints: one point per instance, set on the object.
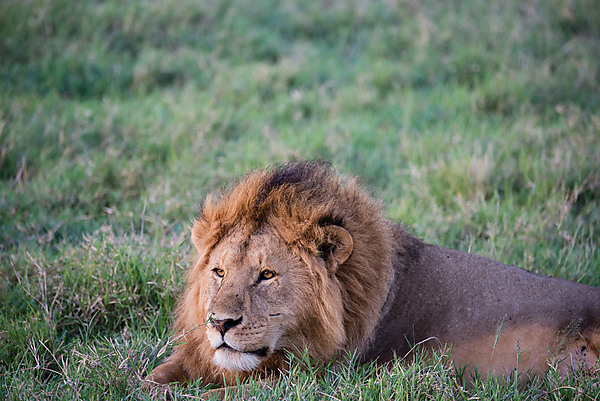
(168, 372)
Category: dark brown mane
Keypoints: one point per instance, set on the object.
(304, 175)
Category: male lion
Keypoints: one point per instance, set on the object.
(296, 256)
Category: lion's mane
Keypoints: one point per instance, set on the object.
(298, 200)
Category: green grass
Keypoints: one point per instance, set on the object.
(476, 123)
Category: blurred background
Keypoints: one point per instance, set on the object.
(476, 123)
(111, 108)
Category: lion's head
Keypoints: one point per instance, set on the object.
(289, 257)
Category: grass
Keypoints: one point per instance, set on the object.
(476, 123)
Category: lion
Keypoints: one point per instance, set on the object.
(296, 257)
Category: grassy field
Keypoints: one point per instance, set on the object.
(477, 123)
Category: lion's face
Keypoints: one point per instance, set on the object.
(256, 296)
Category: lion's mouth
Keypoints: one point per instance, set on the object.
(262, 352)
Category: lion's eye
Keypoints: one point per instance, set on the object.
(266, 275)
(219, 272)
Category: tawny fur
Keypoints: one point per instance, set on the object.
(391, 292)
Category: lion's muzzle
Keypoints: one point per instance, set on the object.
(235, 349)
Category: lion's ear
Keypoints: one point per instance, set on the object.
(201, 226)
(197, 237)
(338, 245)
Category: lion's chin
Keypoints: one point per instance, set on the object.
(230, 359)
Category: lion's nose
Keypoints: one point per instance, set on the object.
(225, 324)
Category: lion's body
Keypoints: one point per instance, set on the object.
(297, 257)
(491, 313)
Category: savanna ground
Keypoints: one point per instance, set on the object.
(476, 122)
